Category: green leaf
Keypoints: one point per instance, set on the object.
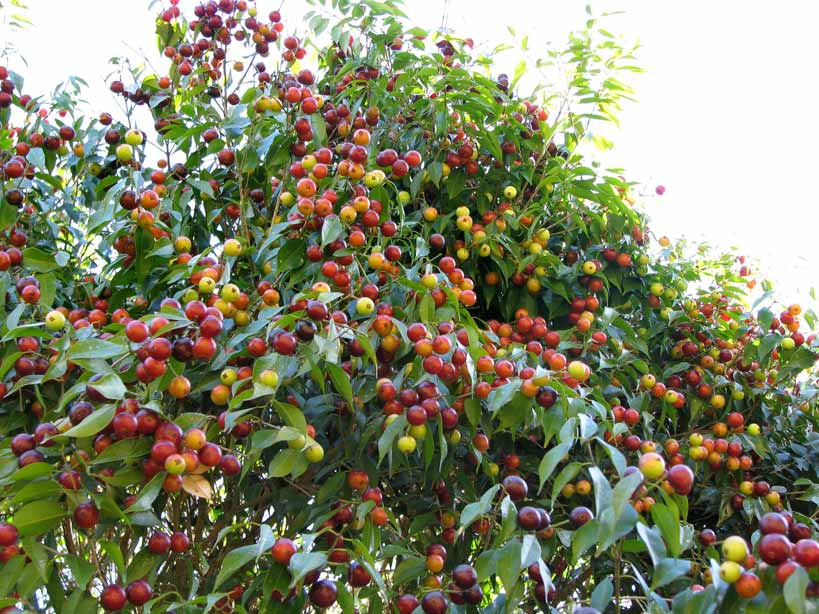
(284, 462)
(38, 517)
(341, 382)
(617, 458)
(303, 563)
(233, 561)
(794, 590)
(38, 261)
(508, 564)
(667, 518)
(550, 461)
(584, 538)
(142, 564)
(95, 348)
(602, 490)
(602, 594)
(81, 570)
(291, 255)
(32, 471)
(114, 552)
(93, 423)
(146, 497)
(409, 569)
(667, 571)
(123, 450)
(331, 230)
(40, 489)
(389, 435)
(653, 541)
(291, 415)
(476, 509)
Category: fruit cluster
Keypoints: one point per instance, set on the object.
(372, 334)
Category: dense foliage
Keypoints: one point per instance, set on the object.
(356, 325)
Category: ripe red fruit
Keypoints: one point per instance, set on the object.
(22, 443)
(784, 570)
(70, 480)
(528, 519)
(86, 515)
(179, 542)
(774, 548)
(748, 585)
(161, 450)
(372, 494)
(806, 552)
(465, 576)
(434, 603)
(283, 549)
(681, 479)
(406, 604)
(358, 575)
(136, 331)
(773, 523)
(113, 597)
(8, 534)
(210, 455)
(358, 480)
(125, 425)
(516, 487)
(159, 542)
(323, 593)
(230, 465)
(707, 537)
(139, 592)
(580, 516)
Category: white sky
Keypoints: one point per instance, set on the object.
(724, 119)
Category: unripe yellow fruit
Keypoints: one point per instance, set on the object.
(314, 453)
(735, 549)
(233, 248)
(407, 444)
(730, 571)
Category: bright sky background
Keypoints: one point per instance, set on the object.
(725, 117)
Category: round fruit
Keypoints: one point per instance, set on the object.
(323, 593)
(464, 576)
(283, 550)
(113, 598)
(774, 548)
(139, 592)
(364, 306)
(730, 571)
(681, 479)
(407, 444)
(434, 603)
(516, 487)
(773, 523)
(735, 549)
(8, 534)
(748, 585)
(232, 248)
(580, 516)
(314, 453)
(652, 465)
(806, 552)
(54, 320)
(134, 137)
(124, 152)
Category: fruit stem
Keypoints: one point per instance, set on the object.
(617, 557)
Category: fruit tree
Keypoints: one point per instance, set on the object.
(329, 315)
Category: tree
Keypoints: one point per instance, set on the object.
(373, 335)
